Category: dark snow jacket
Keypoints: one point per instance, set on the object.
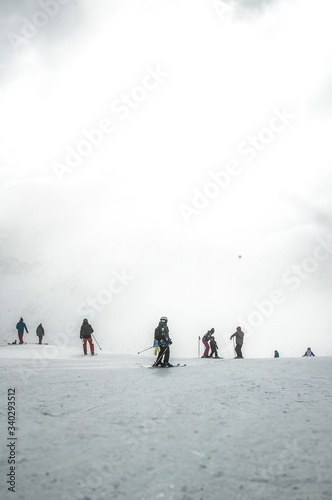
(86, 330)
(238, 336)
(21, 326)
(40, 330)
(213, 345)
(161, 330)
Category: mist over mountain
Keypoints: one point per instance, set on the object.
(167, 159)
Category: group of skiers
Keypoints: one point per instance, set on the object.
(209, 342)
(162, 341)
(21, 327)
(85, 334)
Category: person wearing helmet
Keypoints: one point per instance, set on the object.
(161, 334)
(276, 354)
(214, 347)
(206, 339)
(85, 335)
(239, 342)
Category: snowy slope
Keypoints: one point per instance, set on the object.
(106, 428)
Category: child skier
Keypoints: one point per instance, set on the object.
(214, 348)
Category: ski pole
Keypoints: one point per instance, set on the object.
(199, 346)
(145, 349)
(234, 346)
(96, 341)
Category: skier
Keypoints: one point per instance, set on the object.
(206, 338)
(214, 348)
(276, 354)
(40, 333)
(161, 334)
(20, 327)
(308, 353)
(85, 334)
(239, 342)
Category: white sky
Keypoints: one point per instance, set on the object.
(223, 78)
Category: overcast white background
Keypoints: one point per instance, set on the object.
(225, 71)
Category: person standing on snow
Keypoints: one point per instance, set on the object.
(308, 353)
(85, 334)
(20, 327)
(276, 354)
(214, 348)
(206, 338)
(40, 333)
(239, 342)
(161, 334)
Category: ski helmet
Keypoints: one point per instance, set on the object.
(163, 319)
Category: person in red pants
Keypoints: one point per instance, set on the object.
(21, 326)
(85, 334)
(206, 339)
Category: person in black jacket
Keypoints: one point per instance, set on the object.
(161, 334)
(214, 347)
(85, 334)
(239, 342)
(40, 333)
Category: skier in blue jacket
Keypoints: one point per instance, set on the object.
(20, 327)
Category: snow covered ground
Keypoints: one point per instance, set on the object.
(106, 428)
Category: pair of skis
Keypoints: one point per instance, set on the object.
(153, 366)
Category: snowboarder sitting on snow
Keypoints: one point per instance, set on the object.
(85, 334)
(161, 334)
(276, 354)
(40, 333)
(239, 341)
(308, 353)
(20, 327)
(206, 338)
(214, 348)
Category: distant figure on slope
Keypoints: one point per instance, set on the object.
(239, 342)
(161, 334)
(214, 348)
(156, 347)
(206, 339)
(20, 327)
(85, 334)
(40, 333)
(308, 353)
(276, 354)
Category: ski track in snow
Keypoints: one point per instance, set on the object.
(105, 428)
